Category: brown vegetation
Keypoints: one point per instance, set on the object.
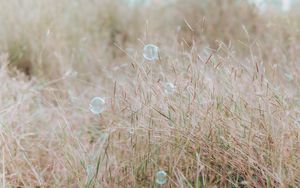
(233, 121)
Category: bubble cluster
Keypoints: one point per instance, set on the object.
(169, 88)
(161, 177)
(151, 52)
(97, 105)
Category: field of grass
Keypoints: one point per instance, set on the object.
(233, 121)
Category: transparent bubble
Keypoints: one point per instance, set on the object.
(97, 105)
(161, 177)
(169, 88)
(151, 52)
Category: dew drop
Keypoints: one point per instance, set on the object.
(161, 177)
(151, 52)
(169, 88)
(97, 105)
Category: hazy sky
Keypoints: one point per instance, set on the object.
(284, 4)
(262, 4)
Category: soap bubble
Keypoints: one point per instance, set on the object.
(151, 52)
(161, 177)
(169, 88)
(97, 105)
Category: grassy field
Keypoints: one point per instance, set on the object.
(233, 121)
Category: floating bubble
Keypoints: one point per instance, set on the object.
(169, 88)
(97, 105)
(161, 177)
(151, 52)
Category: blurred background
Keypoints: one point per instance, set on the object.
(233, 119)
(284, 5)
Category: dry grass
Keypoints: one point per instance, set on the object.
(234, 120)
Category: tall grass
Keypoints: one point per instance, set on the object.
(233, 121)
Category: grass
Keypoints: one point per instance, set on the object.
(232, 122)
